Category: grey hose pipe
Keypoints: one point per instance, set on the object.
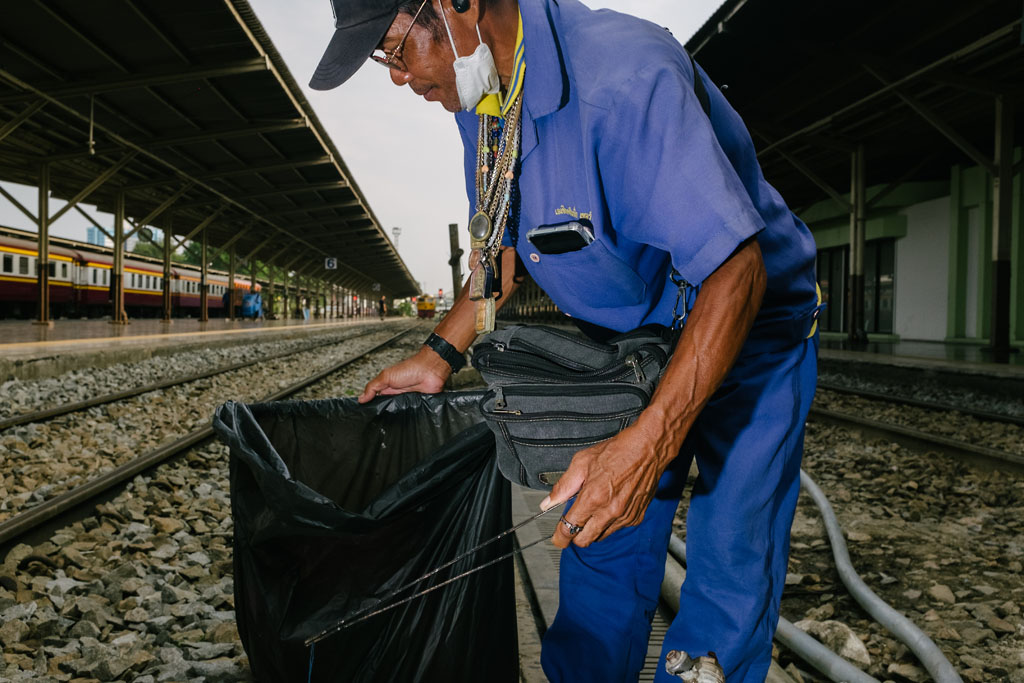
(920, 644)
(804, 646)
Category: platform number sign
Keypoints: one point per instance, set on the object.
(331, 263)
(376, 286)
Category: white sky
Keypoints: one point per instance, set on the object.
(404, 153)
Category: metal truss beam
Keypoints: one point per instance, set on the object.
(95, 223)
(224, 133)
(21, 118)
(164, 205)
(962, 143)
(248, 170)
(97, 182)
(999, 34)
(202, 226)
(262, 244)
(351, 203)
(18, 205)
(144, 81)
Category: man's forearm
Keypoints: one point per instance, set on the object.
(715, 332)
(459, 327)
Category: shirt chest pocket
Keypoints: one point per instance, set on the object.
(592, 276)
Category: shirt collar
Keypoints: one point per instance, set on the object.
(548, 88)
(495, 105)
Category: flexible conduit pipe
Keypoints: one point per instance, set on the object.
(920, 644)
(804, 646)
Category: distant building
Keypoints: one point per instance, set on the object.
(94, 235)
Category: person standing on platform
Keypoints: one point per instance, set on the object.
(382, 306)
(600, 124)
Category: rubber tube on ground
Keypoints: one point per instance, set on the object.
(905, 630)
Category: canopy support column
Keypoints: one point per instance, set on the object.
(858, 222)
(270, 290)
(230, 313)
(204, 287)
(120, 317)
(1002, 230)
(43, 254)
(167, 274)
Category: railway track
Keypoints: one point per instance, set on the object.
(57, 511)
(57, 411)
(920, 435)
(920, 440)
(928, 405)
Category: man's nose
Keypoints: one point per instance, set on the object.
(400, 77)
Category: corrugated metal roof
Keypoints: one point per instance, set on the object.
(813, 79)
(196, 93)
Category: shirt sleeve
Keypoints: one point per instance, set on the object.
(467, 130)
(667, 181)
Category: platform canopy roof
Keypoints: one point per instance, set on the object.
(186, 108)
(914, 81)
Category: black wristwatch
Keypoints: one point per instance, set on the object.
(449, 353)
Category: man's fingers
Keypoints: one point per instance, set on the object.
(568, 485)
(373, 387)
(563, 535)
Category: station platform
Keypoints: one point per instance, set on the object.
(29, 351)
(946, 357)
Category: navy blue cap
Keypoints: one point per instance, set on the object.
(359, 26)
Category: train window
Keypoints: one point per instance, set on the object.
(106, 277)
(95, 274)
(8, 263)
(23, 265)
(64, 270)
(52, 269)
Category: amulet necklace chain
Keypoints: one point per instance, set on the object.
(497, 151)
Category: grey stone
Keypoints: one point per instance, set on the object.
(198, 651)
(84, 628)
(218, 670)
(13, 631)
(942, 593)
(137, 615)
(975, 636)
(22, 610)
(839, 638)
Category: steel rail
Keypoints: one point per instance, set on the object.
(50, 413)
(919, 403)
(922, 441)
(26, 522)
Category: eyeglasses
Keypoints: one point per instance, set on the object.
(394, 59)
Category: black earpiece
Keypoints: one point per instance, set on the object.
(460, 5)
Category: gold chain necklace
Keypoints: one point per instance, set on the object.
(494, 176)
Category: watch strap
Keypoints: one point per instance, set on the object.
(449, 353)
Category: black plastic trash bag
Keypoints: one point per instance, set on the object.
(336, 504)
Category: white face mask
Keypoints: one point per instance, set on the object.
(475, 75)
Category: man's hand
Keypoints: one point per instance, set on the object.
(617, 478)
(613, 482)
(425, 372)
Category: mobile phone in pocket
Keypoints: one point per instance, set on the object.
(560, 238)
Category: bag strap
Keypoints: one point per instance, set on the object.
(699, 89)
(679, 316)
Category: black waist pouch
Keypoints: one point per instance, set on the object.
(553, 393)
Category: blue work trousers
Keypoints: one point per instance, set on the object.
(748, 443)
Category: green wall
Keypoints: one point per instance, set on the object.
(970, 188)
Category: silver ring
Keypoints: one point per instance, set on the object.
(573, 529)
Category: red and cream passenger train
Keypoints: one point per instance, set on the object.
(80, 278)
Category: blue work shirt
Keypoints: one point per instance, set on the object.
(613, 134)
